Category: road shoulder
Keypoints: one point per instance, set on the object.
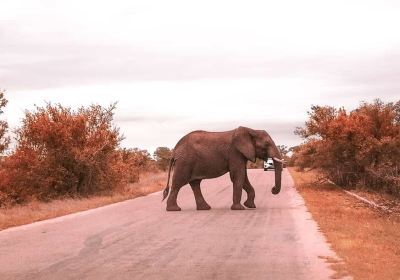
(366, 239)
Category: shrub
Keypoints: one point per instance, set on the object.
(162, 155)
(62, 152)
(360, 147)
(134, 161)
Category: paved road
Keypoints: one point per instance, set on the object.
(138, 239)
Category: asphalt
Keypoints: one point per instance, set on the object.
(138, 239)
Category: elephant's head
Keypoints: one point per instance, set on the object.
(254, 144)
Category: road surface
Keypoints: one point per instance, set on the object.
(138, 239)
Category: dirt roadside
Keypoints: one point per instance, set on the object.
(365, 238)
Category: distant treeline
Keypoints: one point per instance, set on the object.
(62, 152)
(360, 147)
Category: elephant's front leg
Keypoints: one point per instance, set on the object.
(238, 178)
(249, 203)
(201, 203)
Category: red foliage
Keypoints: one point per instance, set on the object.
(64, 152)
(360, 147)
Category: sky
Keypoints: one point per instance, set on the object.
(178, 66)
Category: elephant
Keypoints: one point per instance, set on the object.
(204, 155)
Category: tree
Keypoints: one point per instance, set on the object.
(4, 139)
(61, 151)
(134, 161)
(163, 155)
(357, 147)
(283, 149)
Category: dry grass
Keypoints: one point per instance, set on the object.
(37, 211)
(366, 239)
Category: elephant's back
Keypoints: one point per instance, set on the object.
(198, 143)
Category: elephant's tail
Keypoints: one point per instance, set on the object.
(166, 190)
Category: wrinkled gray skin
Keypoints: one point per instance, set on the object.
(203, 155)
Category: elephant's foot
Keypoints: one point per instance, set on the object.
(237, 207)
(173, 208)
(249, 204)
(203, 206)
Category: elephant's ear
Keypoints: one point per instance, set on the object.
(243, 142)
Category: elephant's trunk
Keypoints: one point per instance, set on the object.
(278, 165)
(278, 177)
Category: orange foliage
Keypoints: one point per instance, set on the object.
(360, 147)
(65, 152)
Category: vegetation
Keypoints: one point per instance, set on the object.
(284, 150)
(361, 147)
(4, 140)
(163, 155)
(64, 152)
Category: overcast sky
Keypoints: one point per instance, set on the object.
(177, 66)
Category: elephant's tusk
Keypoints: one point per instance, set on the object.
(278, 160)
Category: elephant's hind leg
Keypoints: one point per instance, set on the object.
(198, 196)
(249, 203)
(171, 202)
(179, 179)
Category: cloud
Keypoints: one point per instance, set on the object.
(147, 118)
(376, 75)
(48, 45)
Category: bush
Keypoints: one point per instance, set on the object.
(162, 155)
(360, 147)
(62, 152)
(133, 162)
